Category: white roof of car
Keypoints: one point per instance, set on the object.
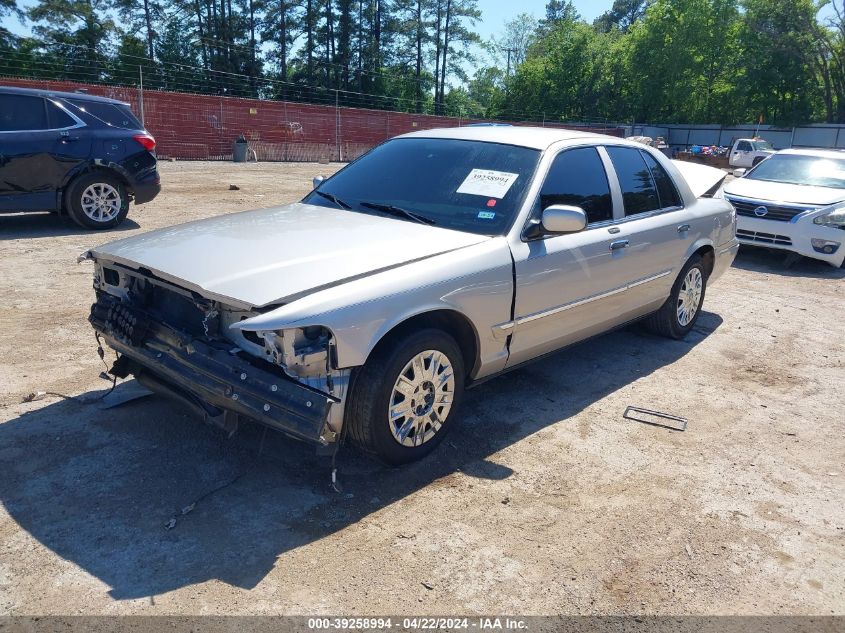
(817, 153)
(533, 137)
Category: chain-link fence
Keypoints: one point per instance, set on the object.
(204, 127)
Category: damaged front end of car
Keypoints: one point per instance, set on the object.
(188, 347)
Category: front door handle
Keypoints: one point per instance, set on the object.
(615, 246)
(684, 228)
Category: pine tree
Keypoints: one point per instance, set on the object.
(76, 33)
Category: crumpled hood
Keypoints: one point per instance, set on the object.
(276, 255)
(783, 192)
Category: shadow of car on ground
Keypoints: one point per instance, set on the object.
(98, 486)
(785, 263)
(44, 224)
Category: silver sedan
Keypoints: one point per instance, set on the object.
(439, 259)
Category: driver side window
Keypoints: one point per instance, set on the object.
(577, 178)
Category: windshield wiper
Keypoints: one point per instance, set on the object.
(398, 212)
(335, 199)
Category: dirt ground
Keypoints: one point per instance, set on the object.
(543, 501)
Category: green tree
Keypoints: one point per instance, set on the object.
(622, 15)
(830, 60)
(453, 41)
(511, 47)
(485, 89)
(179, 66)
(77, 33)
(554, 78)
(137, 16)
(682, 61)
(281, 27)
(130, 60)
(8, 8)
(778, 43)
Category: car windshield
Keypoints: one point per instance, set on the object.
(801, 170)
(762, 145)
(464, 185)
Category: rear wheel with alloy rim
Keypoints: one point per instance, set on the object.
(404, 398)
(97, 201)
(678, 315)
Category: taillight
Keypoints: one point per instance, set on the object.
(146, 141)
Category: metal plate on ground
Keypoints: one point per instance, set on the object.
(656, 418)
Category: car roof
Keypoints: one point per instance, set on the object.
(816, 153)
(534, 137)
(40, 92)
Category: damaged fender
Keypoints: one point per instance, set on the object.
(361, 312)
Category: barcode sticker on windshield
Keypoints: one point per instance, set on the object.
(488, 183)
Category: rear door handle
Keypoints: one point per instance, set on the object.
(684, 228)
(615, 246)
(69, 139)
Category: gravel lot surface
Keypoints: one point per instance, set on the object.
(543, 501)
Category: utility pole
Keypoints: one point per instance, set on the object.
(141, 88)
(337, 126)
(509, 51)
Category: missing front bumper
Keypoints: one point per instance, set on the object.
(213, 381)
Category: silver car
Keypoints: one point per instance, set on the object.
(436, 261)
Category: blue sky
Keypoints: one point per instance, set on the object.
(494, 13)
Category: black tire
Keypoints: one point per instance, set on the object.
(367, 414)
(76, 197)
(757, 161)
(666, 321)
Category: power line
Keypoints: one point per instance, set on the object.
(196, 79)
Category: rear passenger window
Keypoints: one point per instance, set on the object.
(577, 178)
(58, 118)
(638, 191)
(666, 191)
(115, 115)
(21, 113)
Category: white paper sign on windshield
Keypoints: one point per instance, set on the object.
(487, 182)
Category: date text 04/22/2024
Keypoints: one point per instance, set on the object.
(480, 623)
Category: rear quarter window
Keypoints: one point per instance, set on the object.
(57, 118)
(666, 190)
(639, 193)
(112, 114)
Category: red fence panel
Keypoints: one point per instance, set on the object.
(203, 127)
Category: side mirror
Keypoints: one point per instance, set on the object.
(560, 218)
(318, 181)
(739, 173)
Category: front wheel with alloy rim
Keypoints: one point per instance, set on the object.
(678, 315)
(403, 399)
(97, 201)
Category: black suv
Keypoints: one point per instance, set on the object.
(73, 153)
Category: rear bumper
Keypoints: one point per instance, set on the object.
(725, 255)
(795, 236)
(213, 380)
(147, 189)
